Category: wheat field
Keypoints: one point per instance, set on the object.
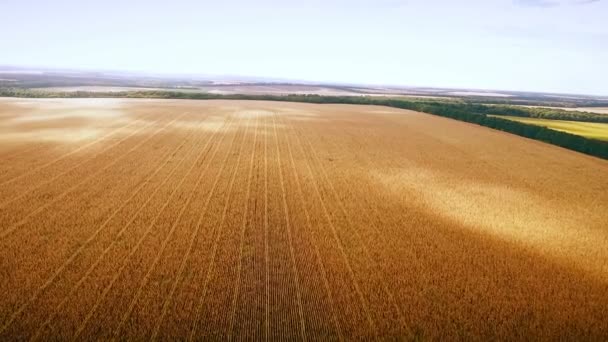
(198, 220)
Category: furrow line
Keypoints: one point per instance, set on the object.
(107, 249)
(159, 253)
(215, 244)
(182, 267)
(242, 241)
(376, 267)
(66, 155)
(38, 210)
(288, 222)
(25, 193)
(266, 246)
(316, 247)
(338, 241)
(135, 248)
(166, 159)
(62, 267)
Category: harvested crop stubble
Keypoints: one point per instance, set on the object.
(274, 220)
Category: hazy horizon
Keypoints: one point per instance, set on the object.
(522, 45)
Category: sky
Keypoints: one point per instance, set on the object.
(525, 45)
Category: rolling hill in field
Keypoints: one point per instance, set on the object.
(193, 220)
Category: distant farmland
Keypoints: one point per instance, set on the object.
(592, 130)
(198, 220)
(598, 110)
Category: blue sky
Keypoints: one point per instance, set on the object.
(538, 45)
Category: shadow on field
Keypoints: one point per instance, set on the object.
(458, 281)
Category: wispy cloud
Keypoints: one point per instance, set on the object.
(552, 3)
(536, 3)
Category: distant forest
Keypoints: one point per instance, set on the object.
(459, 110)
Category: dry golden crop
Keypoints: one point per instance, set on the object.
(154, 219)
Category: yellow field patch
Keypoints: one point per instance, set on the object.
(592, 130)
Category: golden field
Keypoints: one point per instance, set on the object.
(197, 220)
